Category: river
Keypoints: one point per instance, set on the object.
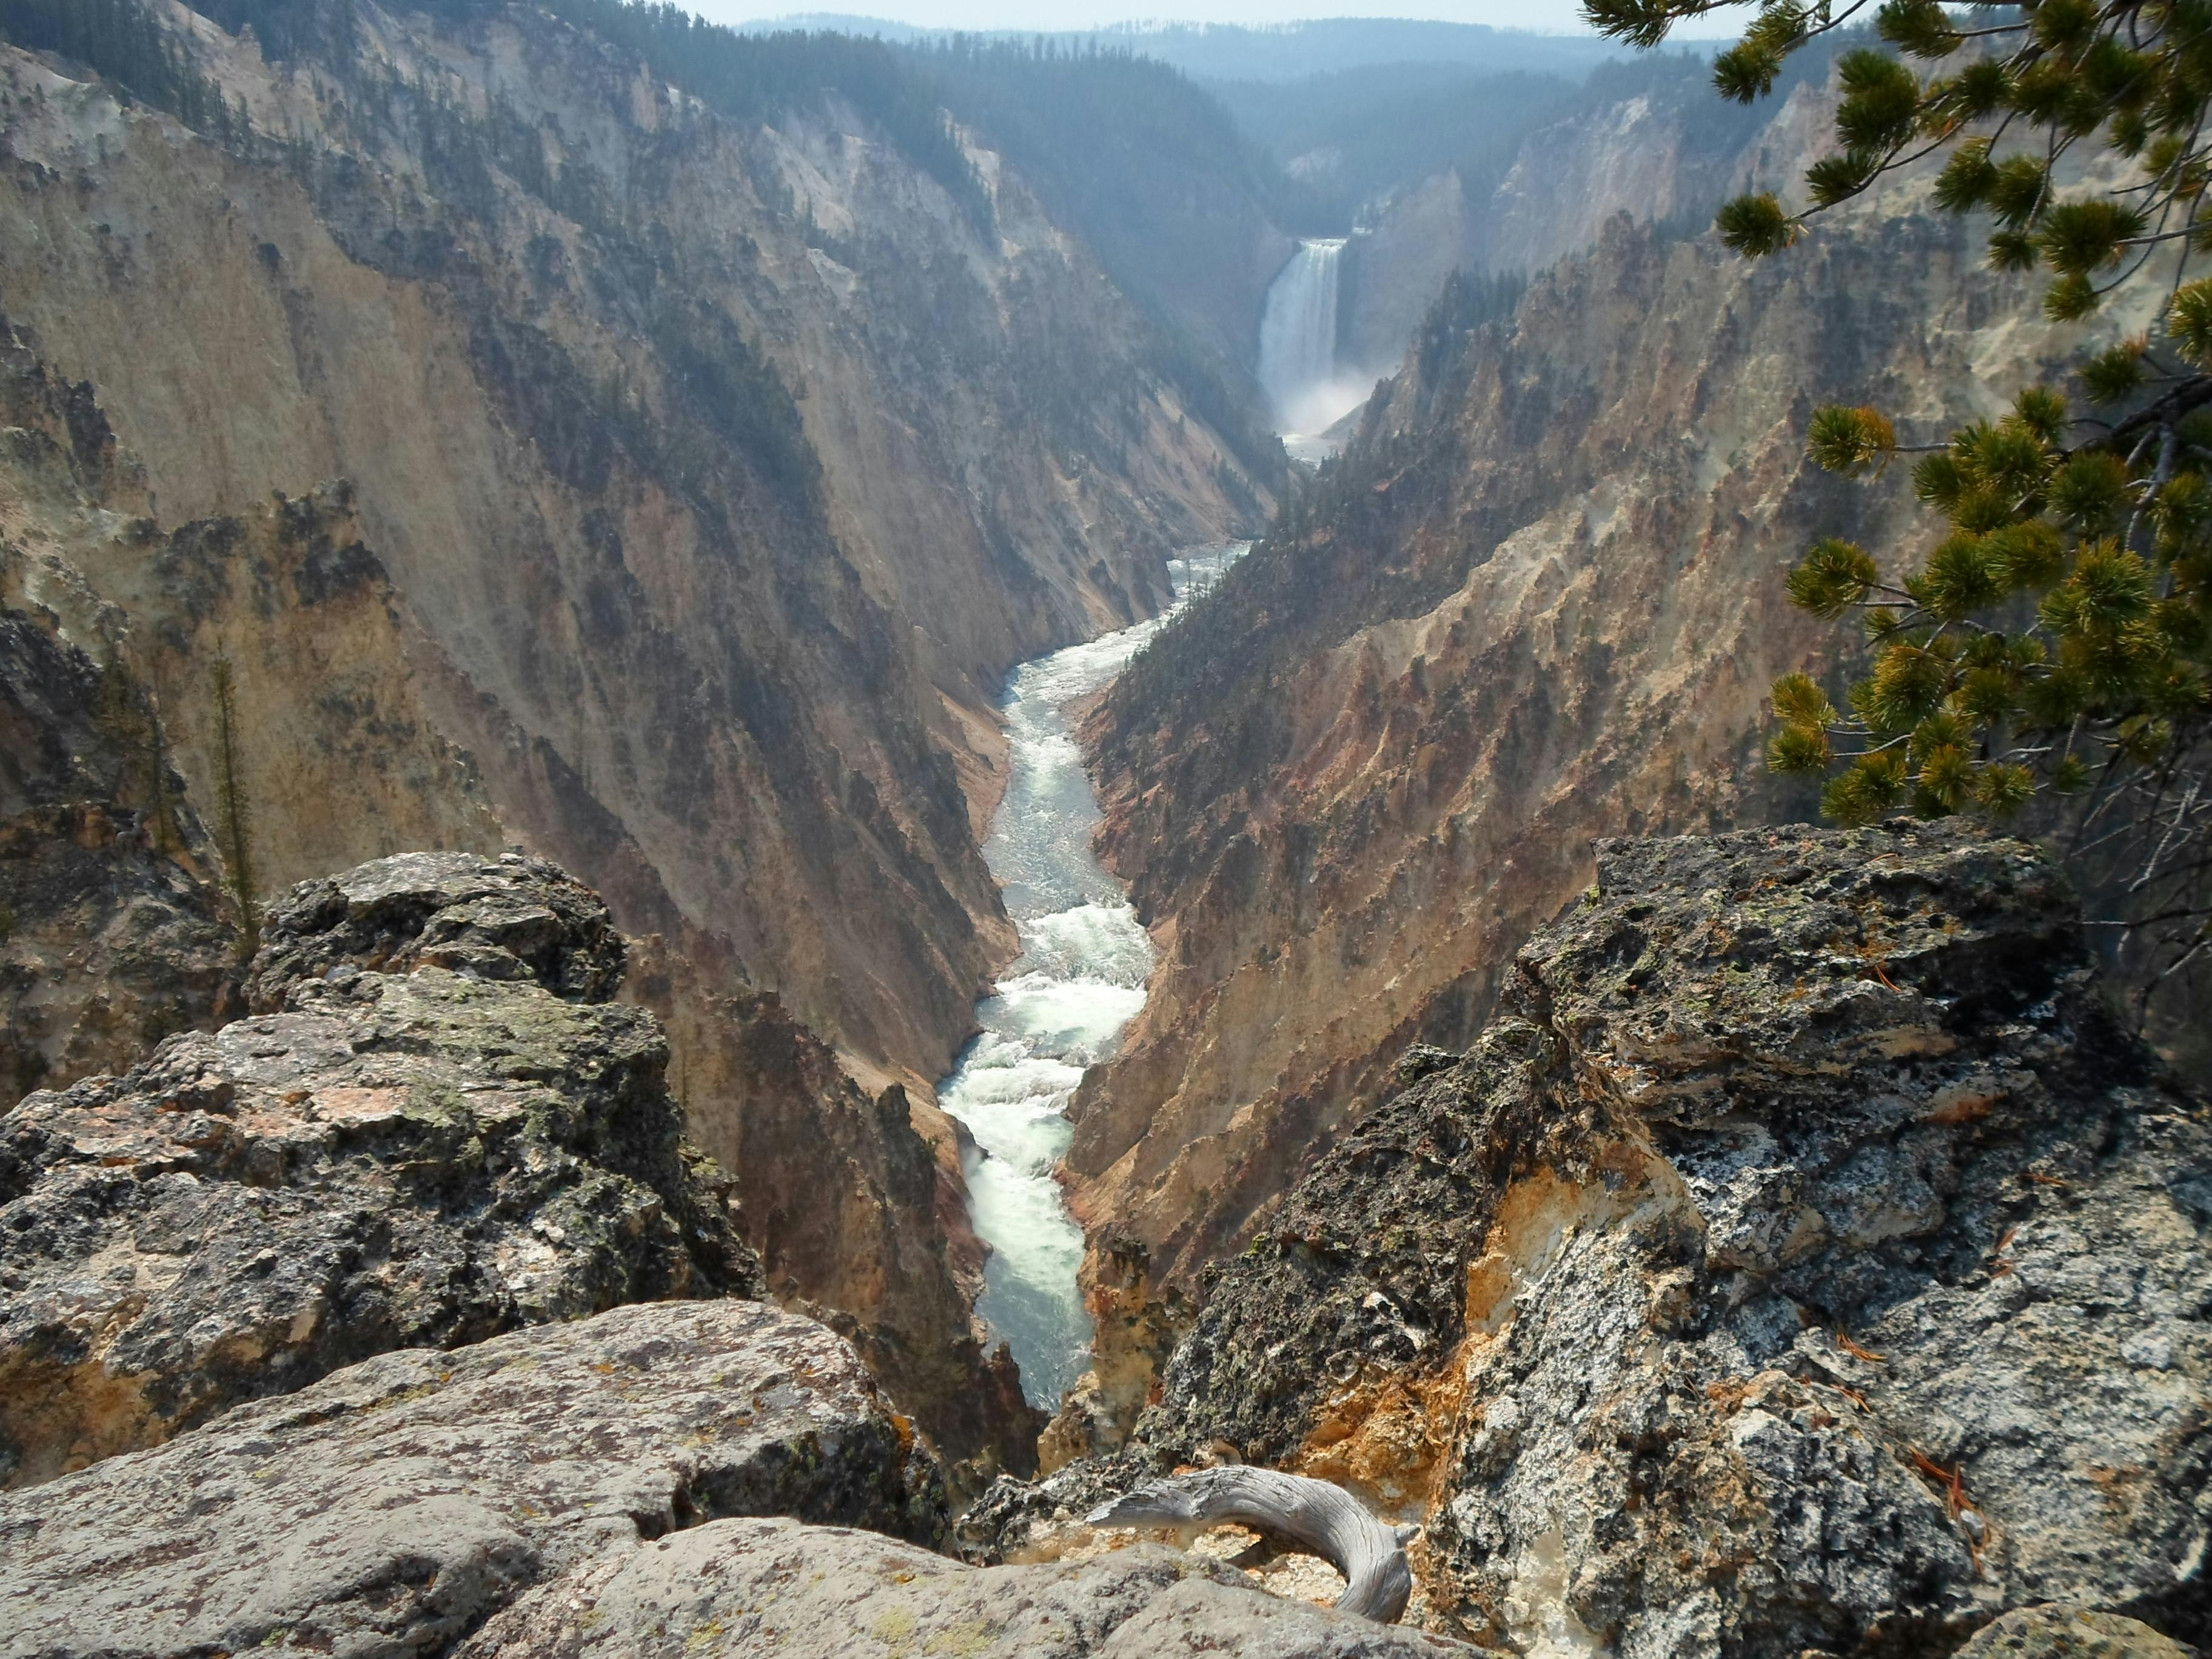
(1080, 979)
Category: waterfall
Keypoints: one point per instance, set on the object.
(1297, 340)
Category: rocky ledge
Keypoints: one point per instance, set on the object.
(581, 1489)
(393, 1507)
(506, 919)
(1804, 1262)
(397, 1159)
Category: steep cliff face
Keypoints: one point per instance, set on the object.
(1539, 602)
(1802, 1260)
(1395, 270)
(859, 1221)
(709, 643)
(1672, 151)
(695, 635)
(555, 458)
(108, 943)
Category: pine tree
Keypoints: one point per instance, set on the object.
(2050, 643)
(125, 41)
(234, 811)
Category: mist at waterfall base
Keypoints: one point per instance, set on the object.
(1079, 980)
(1298, 350)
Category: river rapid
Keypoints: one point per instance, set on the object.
(1061, 1008)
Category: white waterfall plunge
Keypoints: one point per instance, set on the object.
(1298, 344)
(1061, 1009)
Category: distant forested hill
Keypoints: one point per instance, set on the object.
(1352, 135)
(1292, 51)
(1186, 212)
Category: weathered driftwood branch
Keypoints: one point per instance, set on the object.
(1325, 1518)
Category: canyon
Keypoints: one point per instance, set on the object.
(1537, 602)
(662, 490)
(755, 835)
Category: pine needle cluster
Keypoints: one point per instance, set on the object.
(2052, 641)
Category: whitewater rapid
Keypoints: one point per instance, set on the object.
(1080, 979)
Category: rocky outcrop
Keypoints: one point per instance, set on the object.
(513, 918)
(108, 944)
(747, 1587)
(1802, 1260)
(394, 1159)
(1540, 601)
(396, 1506)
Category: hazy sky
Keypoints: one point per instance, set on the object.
(1551, 16)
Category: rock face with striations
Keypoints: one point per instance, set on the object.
(383, 1160)
(1802, 1260)
(106, 946)
(392, 1508)
(1348, 783)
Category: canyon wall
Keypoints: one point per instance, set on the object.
(556, 461)
(1539, 601)
(715, 498)
(1661, 148)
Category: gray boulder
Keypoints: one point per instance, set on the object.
(506, 918)
(1804, 1259)
(424, 1160)
(393, 1508)
(801, 1592)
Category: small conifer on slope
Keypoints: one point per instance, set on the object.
(2049, 643)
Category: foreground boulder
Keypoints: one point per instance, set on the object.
(1804, 1262)
(511, 918)
(773, 1586)
(398, 1161)
(392, 1508)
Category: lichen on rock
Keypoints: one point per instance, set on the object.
(396, 1160)
(508, 918)
(1805, 1260)
(393, 1507)
(747, 1587)
(2062, 1632)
